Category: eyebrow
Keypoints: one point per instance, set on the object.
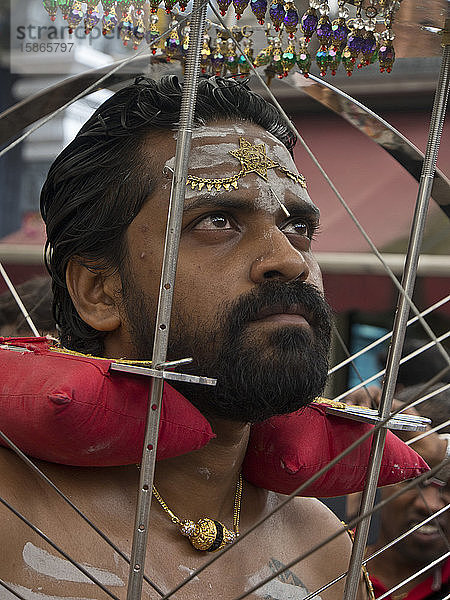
(221, 203)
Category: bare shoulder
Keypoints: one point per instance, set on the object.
(321, 537)
(320, 523)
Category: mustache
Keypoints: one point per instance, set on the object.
(247, 308)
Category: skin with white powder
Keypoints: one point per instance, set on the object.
(44, 563)
(189, 571)
(286, 586)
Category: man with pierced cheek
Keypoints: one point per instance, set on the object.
(248, 307)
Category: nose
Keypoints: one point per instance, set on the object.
(278, 259)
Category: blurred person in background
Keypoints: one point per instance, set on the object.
(36, 295)
(430, 542)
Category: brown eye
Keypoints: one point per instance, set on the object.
(296, 227)
(215, 221)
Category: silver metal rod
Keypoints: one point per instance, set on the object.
(405, 359)
(386, 336)
(20, 304)
(404, 535)
(427, 433)
(11, 591)
(167, 284)
(414, 576)
(49, 482)
(399, 328)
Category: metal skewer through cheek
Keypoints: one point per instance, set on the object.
(167, 282)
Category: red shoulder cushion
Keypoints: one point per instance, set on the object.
(73, 410)
(289, 449)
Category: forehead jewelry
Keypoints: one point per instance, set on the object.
(207, 534)
(253, 159)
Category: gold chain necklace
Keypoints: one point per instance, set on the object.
(207, 534)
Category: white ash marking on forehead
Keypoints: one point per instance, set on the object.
(284, 157)
(283, 591)
(282, 186)
(218, 130)
(215, 131)
(212, 155)
(44, 563)
(207, 156)
(265, 200)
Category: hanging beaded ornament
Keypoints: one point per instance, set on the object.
(205, 54)
(152, 33)
(91, 19)
(245, 58)
(264, 56)
(51, 6)
(109, 21)
(65, 7)
(304, 58)
(108, 5)
(172, 43)
(139, 28)
(185, 32)
(217, 58)
(259, 8)
(309, 22)
(277, 14)
(361, 35)
(75, 16)
(223, 5)
(239, 7)
(288, 58)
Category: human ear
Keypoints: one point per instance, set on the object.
(95, 295)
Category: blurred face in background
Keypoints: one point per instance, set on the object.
(427, 543)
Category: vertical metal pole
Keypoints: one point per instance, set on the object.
(167, 282)
(399, 329)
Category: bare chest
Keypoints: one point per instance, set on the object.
(83, 566)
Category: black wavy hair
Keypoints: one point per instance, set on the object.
(100, 181)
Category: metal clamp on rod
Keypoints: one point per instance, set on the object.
(161, 374)
(369, 415)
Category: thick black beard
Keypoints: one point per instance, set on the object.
(258, 375)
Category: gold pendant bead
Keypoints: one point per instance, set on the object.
(210, 535)
(207, 534)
